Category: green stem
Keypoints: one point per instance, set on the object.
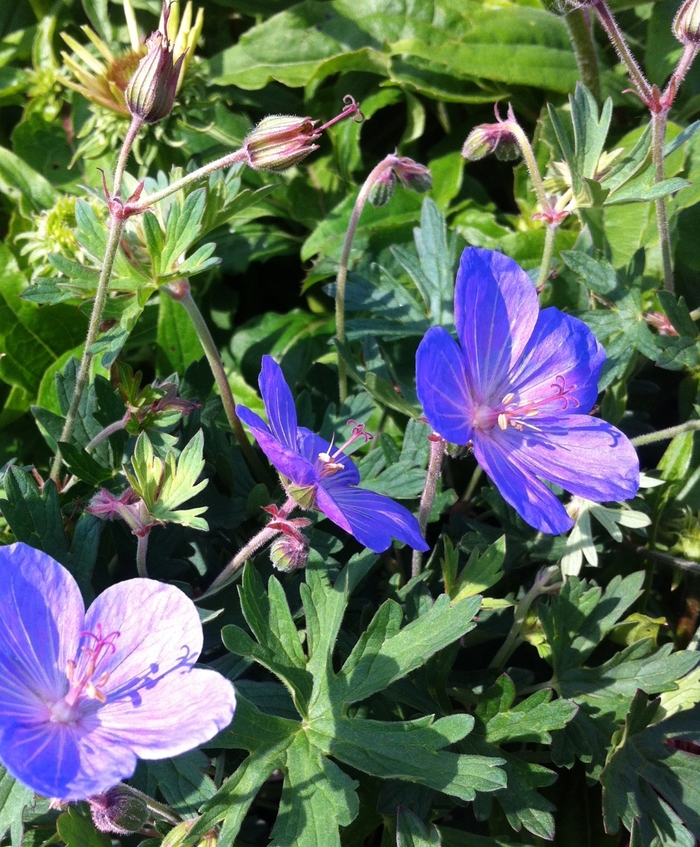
(256, 543)
(578, 24)
(550, 237)
(116, 226)
(181, 292)
(614, 33)
(224, 162)
(658, 142)
(530, 163)
(514, 638)
(158, 809)
(665, 434)
(473, 482)
(342, 276)
(437, 451)
(141, 551)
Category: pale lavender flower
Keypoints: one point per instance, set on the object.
(83, 695)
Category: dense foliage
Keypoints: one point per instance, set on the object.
(509, 684)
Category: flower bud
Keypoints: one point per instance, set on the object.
(491, 138)
(289, 552)
(118, 810)
(686, 24)
(383, 189)
(151, 91)
(413, 175)
(280, 141)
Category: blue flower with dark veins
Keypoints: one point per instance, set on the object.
(518, 389)
(320, 476)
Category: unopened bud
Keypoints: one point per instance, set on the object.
(686, 25)
(413, 175)
(383, 189)
(289, 552)
(491, 138)
(118, 810)
(279, 142)
(151, 92)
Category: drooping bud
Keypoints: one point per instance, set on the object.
(118, 810)
(383, 189)
(686, 24)
(491, 138)
(288, 553)
(279, 142)
(151, 92)
(413, 175)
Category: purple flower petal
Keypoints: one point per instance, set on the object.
(496, 311)
(287, 460)
(560, 366)
(279, 402)
(586, 456)
(441, 384)
(169, 716)
(375, 519)
(530, 498)
(42, 613)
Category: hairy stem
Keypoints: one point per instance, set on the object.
(658, 142)
(182, 293)
(116, 226)
(531, 163)
(665, 434)
(104, 434)
(141, 551)
(131, 133)
(665, 558)
(550, 237)
(437, 451)
(342, 276)
(578, 23)
(224, 162)
(614, 33)
(256, 543)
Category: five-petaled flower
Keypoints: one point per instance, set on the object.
(320, 476)
(519, 390)
(82, 695)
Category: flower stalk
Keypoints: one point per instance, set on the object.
(665, 434)
(181, 292)
(256, 543)
(437, 451)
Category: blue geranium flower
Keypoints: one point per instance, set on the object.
(319, 476)
(518, 390)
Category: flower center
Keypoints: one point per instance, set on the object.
(84, 677)
(514, 413)
(328, 464)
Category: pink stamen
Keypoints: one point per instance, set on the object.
(351, 107)
(81, 671)
(330, 465)
(513, 416)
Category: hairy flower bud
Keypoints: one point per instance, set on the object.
(151, 91)
(413, 175)
(383, 189)
(279, 142)
(118, 810)
(491, 138)
(686, 25)
(289, 552)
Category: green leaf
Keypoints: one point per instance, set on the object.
(384, 653)
(83, 465)
(410, 750)
(412, 832)
(34, 517)
(183, 781)
(14, 797)
(20, 181)
(652, 788)
(481, 571)
(178, 343)
(317, 798)
(76, 831)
